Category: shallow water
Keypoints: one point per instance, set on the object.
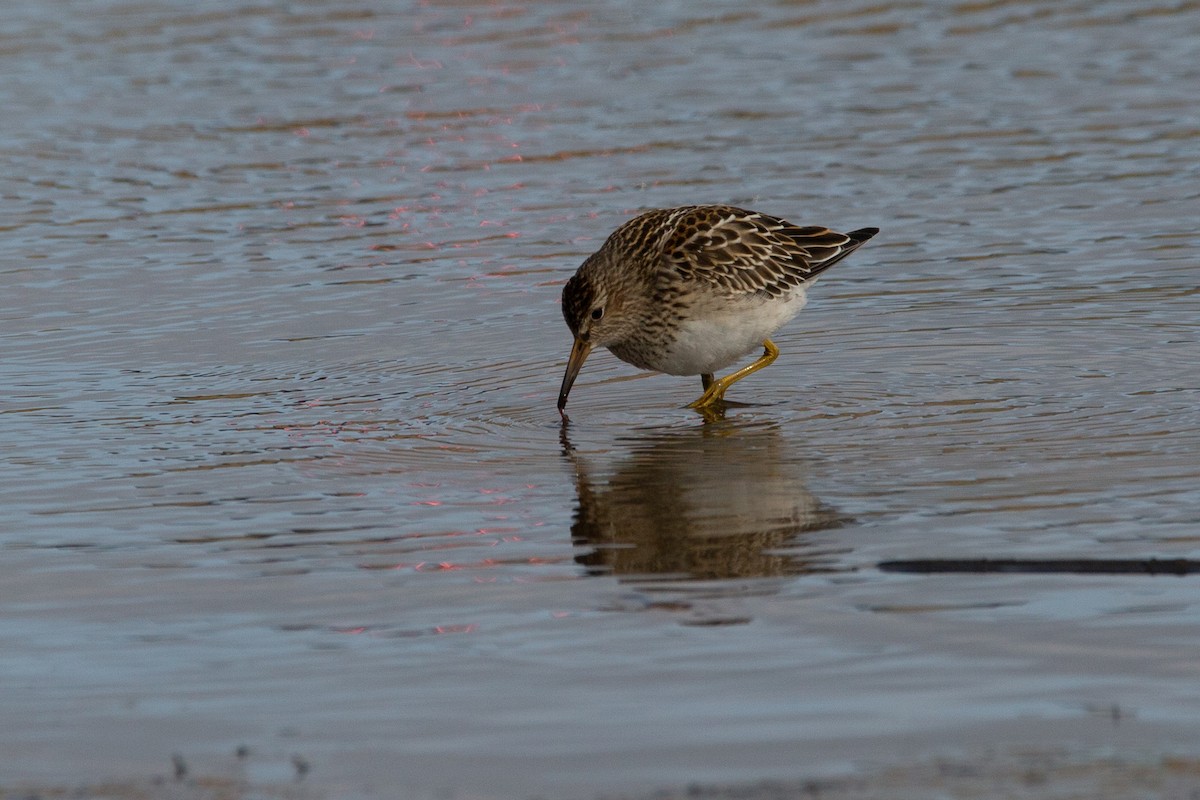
(281, 348)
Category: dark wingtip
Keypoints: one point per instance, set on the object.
(862, 234)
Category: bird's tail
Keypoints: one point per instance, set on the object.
(857, 239)
(861, 235)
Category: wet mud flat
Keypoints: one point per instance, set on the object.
(1031, 774)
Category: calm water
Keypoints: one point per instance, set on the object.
(281, 344)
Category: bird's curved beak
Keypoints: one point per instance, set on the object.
(579, 354)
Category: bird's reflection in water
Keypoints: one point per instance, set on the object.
(719, 501)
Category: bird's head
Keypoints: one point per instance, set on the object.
(597, 309)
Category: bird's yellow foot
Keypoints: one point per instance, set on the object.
(714, 395)
(714, 391)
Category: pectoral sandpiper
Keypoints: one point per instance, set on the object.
(688, 291)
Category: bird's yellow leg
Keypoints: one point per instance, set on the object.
(715, 392)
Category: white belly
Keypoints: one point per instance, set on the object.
(716, 338)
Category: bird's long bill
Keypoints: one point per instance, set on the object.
(579, 354)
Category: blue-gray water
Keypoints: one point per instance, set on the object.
(280, 344)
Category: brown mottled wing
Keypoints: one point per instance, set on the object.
(747, 252)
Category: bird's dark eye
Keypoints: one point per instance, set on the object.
(597, 313)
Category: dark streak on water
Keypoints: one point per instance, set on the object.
(281, 344)
(1054, 566)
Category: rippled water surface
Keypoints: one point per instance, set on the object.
(281, 344)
